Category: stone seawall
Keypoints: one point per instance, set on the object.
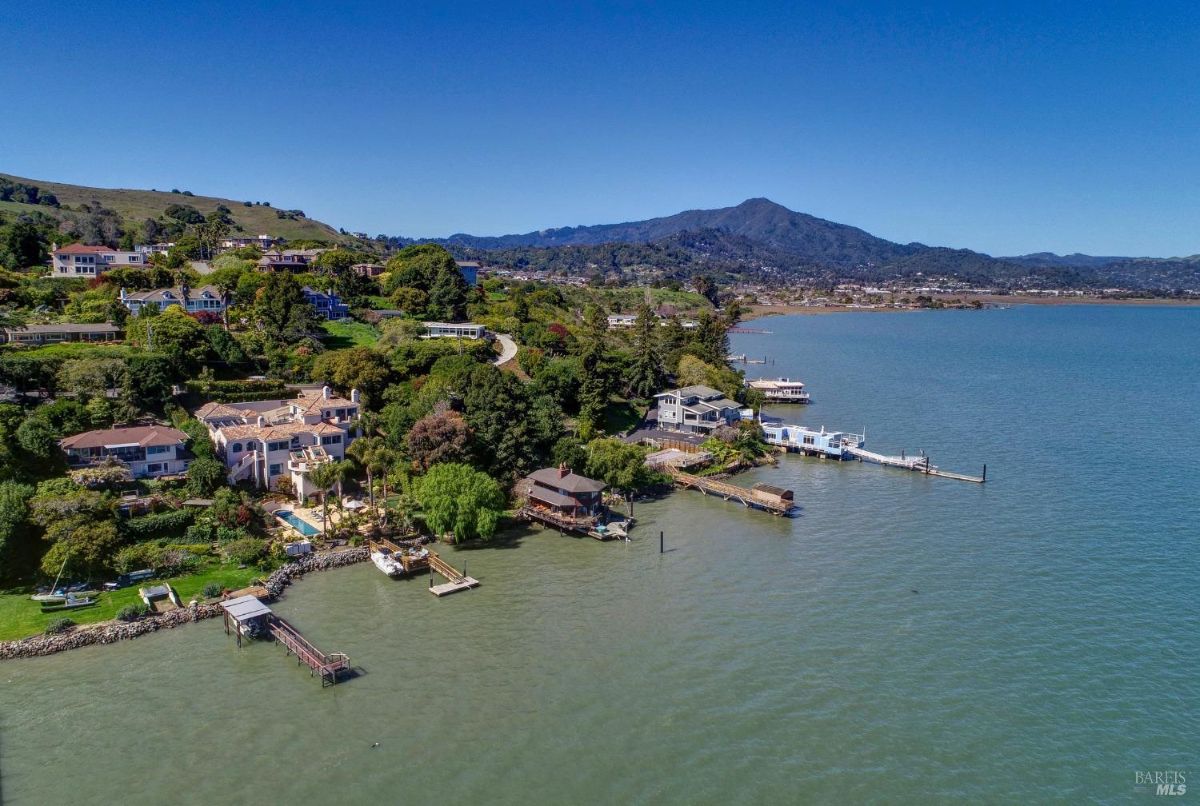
(109, 632)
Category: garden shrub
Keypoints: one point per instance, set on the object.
(59, 625)
(132, 612)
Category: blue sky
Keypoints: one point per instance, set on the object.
(1006, 128)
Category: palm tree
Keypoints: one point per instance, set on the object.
(367, 451)
(324, 476)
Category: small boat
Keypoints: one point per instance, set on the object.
(386, 563)
(49, 597)
(70, 603)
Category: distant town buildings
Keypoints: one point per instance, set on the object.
(193, 300)
(150, 451)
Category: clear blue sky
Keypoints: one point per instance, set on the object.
(1005, 128)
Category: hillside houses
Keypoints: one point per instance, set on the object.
(193, 300)
(150, 451)
(265, 440)
(695, 409)
(78, 260)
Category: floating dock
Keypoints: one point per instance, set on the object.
(455, 580)
(762, 496)
(248, 616)
(917, 464)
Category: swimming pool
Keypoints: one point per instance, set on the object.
(299, 524)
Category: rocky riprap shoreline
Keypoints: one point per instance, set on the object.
(110, 632)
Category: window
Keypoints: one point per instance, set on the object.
(282, 445)
(335, 439)
(275, 470)
(154, 468)
(236, 447)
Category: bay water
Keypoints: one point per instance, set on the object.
(905, 639)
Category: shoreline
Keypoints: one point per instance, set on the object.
(110, 632)
(760, 311)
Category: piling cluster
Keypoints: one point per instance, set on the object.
(110, 632)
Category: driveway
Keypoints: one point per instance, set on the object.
(508, 349)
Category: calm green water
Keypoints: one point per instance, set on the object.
(1050, 650)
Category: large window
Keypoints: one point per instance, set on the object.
(276, 470)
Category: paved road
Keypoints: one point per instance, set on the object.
(508, 349)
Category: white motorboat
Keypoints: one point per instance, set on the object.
(386, 563)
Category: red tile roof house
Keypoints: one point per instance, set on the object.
(265, 440)
(566, 493)
(150, 451)
(78, 260)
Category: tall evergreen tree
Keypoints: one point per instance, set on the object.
(712, 335)
(595, 382)
(646, 372)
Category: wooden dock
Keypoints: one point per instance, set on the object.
(752, 499)
(455, 580)
(583, 526)
(917, 464)
(329, 667)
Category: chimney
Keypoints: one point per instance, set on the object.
(325, 392)
(353, 395)
(563, 470)
(262, 421)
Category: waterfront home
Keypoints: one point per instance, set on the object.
(206, 298)
(257, 439)
(469, 270)
(79, 260)
(328, 304)
(565, 493)
(780, 390)
(695, 409)
(450, 330)
(149, 451)
(811, 441)
(54, 334)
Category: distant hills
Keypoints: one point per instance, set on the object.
(757, 240)
(760, 239)
(135, 206)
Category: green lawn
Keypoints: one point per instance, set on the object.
(349, 334)
(623, 415)
(21, 617)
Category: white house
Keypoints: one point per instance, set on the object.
(150, 451)
(78, 260)
(265, 440)
(449, 330)
(193, 300)
(695, 409)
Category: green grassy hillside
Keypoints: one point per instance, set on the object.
(135, 206)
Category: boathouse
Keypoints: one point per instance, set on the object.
(801, 439)
(565, 493)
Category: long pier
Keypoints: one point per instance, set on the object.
(327, 666)
(917, 464)
(752, 499)
(455, 580)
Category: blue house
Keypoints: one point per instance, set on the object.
(469, 270)
(327, 303)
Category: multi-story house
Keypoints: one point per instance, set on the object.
(695, 409)
(265, 440)
(327, 303)
(78, 260)
(150, 451)
(565, 493)
(289, 260)
(263, 242)
(193, 300)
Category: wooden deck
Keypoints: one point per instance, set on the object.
(455, 580)
(583, 526)
(329, 667)
(751, 499)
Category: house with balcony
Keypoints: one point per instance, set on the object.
(150, 451)
(80, 260)
(193, 300)
(288, 260)
(560, 493)
(259, 440)
(695, 409)
(328, 304)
